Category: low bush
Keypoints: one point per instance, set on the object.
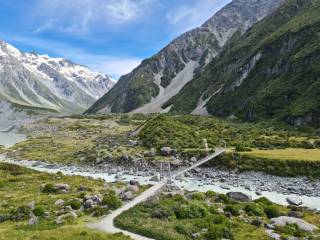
(190, 211)
(272, 211)
(49, 188)
(254, 209)
(38, 211)
(234, 210)
(218, 232)
(74, 203)
(112, 200)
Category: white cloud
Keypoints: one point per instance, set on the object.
(115, 66)
(189, 16)
(79, 16)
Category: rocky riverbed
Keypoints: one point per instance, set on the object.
(256, 184)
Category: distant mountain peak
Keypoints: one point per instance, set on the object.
(36, 80)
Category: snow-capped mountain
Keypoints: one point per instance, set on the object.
(150, 87)
(33, 80)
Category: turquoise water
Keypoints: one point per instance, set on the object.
(8, 139)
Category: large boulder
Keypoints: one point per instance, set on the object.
(155, 179)
(31, 205)
(89, 203)
(133, 188)
(127, 196)
(152, 152)
(33, 221)
(225, 186)
(71, 216)
(166, 151)
(294, 201)
(59, 202)
(61, 187)
(239, 197)
(302, 224)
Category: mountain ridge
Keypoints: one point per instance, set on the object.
(162, 76)
(34, 80)
(270, 72)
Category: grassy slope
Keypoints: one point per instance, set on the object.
(281, 85)
(19, 186)
(76, 138)
(183, 217)
(186, 133)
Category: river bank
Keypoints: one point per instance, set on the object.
(254, 184)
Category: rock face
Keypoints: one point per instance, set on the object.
(33, 80)
(303, 225)
(148, 87)
(239, 197)
(254, 77)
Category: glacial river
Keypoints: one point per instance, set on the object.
(190, 184)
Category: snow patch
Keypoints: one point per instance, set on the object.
(13, 51)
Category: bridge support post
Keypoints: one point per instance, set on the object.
(170, 175)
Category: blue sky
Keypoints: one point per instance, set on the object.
(111, 36)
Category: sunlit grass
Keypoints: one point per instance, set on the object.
(287, 154)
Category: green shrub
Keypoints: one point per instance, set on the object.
(198, 196)
(213, 210)
(254, 209)
(183, 229)
(190, 211)
(49, 188)
(242, 148)
(211, 194)
(272, 211)
(162, 212)
(38, 211)
(264, 201)
(74, 203)
(19, 214)
(291, 230)
(219, 219)
(112, 200)
(234, 210)
(224, 198)
(218, 232)
(99, 211)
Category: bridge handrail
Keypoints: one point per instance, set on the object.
(217, 153)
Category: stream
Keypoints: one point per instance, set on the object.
(192, 183)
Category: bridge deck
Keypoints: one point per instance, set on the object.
(217, 153)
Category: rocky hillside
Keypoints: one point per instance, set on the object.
(271, 72)
(38, 81)
(162, 76)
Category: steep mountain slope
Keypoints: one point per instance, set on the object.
(32, 80)
(271, 72)
(162, 76)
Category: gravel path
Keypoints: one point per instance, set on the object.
(107, 223)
